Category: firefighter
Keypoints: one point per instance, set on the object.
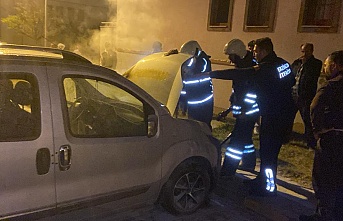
(274, 81)
(198, 92)
(245, 109)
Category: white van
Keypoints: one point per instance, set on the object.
(73, 133)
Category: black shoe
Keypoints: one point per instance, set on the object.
(314, 217)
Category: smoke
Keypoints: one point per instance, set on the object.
(131, 29)
(138, 24)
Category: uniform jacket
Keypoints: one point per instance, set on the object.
(327, 105)
(242, 88)
(200, 90)
(309, 73)
(274, 80)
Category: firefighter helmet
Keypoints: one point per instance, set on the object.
(190, 47)
(235, 46)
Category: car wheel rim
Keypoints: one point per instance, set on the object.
(189, 191)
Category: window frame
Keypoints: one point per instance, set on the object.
(223, 27)
(264, 28)
(333, 28)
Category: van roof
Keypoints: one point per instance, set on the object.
(40, 52)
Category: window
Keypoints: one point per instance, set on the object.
(100, 109)
(220, 15)
(19, 107)
(259, 15)
(319, 15)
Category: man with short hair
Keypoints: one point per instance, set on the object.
(307, 69)
(327, 120)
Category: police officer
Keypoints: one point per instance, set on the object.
(197, 92)
(327, 121)
(245, 109)
(274, 80)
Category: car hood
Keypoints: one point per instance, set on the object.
(160, 75)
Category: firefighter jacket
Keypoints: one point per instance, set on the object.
(274, 80)
(244, 99)
(327, 106)
(197, 90)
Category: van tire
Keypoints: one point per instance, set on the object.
(187, 188)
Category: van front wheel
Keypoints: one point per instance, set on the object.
(187, 188)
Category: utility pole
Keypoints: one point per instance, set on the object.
(45, 17)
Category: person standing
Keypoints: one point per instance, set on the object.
(327, 120)
(108, 57)
(197, 94)
(274, 79)
(156, 47)
(245, 109)
(307, 69)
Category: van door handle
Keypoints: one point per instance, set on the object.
(64, 157)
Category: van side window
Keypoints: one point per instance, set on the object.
(100, 109)
(19, 107)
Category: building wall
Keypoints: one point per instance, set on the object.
(175, 22)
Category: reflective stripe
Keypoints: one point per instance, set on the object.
(235, 107)
(251, 95)
(183, 92)
(250, 101)
(233, 153)
(270, 180)
(230, 149)
(200, 101)
(249, 146)
(249, 151)
(252, 111)
(197, 81)
(205, 65)
(233, 156)
(190, 62)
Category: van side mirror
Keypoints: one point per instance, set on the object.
(152, 125)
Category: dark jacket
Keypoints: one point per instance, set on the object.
(327, 106)
(274, 80)
(243, 90)
(309, 73)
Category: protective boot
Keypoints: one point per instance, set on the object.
(229, 166)
(265, 186)
(248, 161)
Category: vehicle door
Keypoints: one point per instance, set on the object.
(101, 141)
(26, 143)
